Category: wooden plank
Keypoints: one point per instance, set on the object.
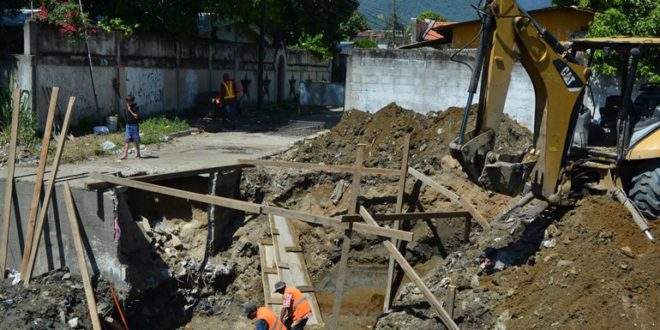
(322, 167)
(264, 274)
(409, 216)
(451, 300)
(401, 189)
(293, 249)
(327, 221)
(39, 225)
(96, 185)
(452, 196)
(209, 199)
(466, 231)
(270, 270)
(80, 254)
(343, 264)
(305, 288)
(266, 241)
(9, 184)
(346, 244)
(357, 177)
(446, 319)
(38, 183)
(278, 262)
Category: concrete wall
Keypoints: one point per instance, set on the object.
(164, 74)
(427, 80)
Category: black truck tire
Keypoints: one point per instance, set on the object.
(645, 190)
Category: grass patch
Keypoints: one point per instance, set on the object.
(157, 128)
(153, 131)
(27, 122)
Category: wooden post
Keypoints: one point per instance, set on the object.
(451, 300)
(39, 225)
(468, 228)
(39, 181)
(9, 185)
(346, 244)
(396, 225)
(80, 253)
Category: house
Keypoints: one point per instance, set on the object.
(562, 22)
(425, 34)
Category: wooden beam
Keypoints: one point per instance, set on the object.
(80, 254)
(341, 277)
(466, 231)
(322, 167)
(327, 221)
(452, 196)
(401, 189)
(305, 288)
(409, 216)
(209, 199)
(451, 300)
(9, 184)
(294, 249)
(43, 212)
(446, 319)
(39, 181)
(391, 248)
(95, 185)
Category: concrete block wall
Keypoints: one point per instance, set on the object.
(427, 80)
(164, 74)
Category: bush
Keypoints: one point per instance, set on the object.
(27, 122)
(156, 128)
(365, 43)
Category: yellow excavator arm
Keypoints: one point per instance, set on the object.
(509, 34)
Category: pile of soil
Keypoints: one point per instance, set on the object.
(601, 273)
(55, 300)
(383, 133)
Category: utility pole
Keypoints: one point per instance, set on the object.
(260, 66)
(393, 23)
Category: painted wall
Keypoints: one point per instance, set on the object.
(561, 22)
(427, 80)
(165, 75)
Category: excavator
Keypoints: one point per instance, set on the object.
(576, 149)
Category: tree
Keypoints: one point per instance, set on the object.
(356, 23)
(430, 14)
(622, 17)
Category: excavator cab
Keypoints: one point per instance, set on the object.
(614, 146)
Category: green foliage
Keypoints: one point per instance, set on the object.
(117, 24)
(623, 17)
(315, 45)
(365, 43)
(27, 123)
(430, 14)
(350, 28)
(156, 128)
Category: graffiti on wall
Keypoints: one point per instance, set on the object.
(147, 87)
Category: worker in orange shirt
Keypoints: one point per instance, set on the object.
(295, 308)
(266, 318)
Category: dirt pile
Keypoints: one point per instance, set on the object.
(55, 300)
(383, 133)
(593, 269)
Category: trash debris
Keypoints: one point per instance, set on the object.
(108, 145)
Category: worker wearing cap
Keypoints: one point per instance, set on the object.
(266, 318)
(295, 308)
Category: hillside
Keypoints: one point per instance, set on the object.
(376, 11)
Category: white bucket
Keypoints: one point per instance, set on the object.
(111, 122)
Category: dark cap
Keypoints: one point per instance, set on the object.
(130, 97)
(249, 308)
(279, 286)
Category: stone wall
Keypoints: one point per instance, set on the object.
(165, 75)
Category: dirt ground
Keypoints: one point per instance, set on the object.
(586, 266)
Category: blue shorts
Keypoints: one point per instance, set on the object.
(132, 133)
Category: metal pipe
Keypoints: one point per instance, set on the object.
(637, 216)
(487, 28)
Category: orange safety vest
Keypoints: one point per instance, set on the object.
(266, 314)
(229, 90)
(299, 305)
